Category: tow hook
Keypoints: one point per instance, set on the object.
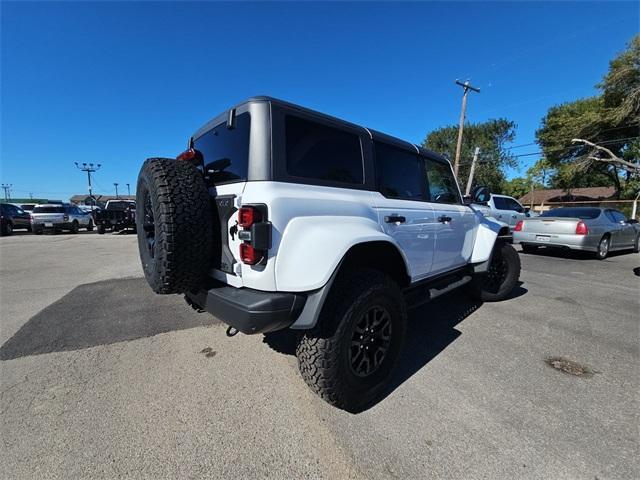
(232, 332)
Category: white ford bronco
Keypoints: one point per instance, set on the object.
(278, 217)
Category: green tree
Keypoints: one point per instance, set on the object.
(611, 119)
(491, 136)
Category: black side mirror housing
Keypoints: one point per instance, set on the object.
(467, 200)
(631, 221)
(481, 195)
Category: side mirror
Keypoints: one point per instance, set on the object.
(481, 195)
(467, 200)
(632, 221)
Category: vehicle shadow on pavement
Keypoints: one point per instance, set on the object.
(572, 254)
(431, 329)
(102, 313)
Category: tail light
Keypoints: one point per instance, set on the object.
(187, 155)
(255, 234)
(247, 216)
(518, 226)
(581, 228)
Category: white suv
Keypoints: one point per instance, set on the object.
(281, 217)
(504, 209)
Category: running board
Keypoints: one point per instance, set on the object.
(421, 294)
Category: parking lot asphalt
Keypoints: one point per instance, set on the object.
(100, 378)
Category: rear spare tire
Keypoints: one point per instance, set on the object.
(174, 225)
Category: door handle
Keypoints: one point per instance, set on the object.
(444, 219)
(395, 219)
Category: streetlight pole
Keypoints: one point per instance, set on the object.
(116, 185)
(466, 86)
(128, 190)
(89, 168)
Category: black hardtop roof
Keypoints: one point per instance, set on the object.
(375, 135)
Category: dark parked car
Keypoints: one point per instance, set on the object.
(117, 215)
(13, 218)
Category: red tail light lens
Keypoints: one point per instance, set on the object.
(518, 226)
(581, 228)
(247, 216)
(250, 255)
(187, 155)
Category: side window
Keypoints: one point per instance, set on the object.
(398, 173)
(513, 205)
(500, 203)
(442, 184)
(610, 216)
(225, 152)
(317, 151)
(619, 216)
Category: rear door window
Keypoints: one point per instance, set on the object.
(225, 151)
(321, 152)
(398, 172)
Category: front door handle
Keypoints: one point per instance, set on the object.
(444, 219)
(395, 219)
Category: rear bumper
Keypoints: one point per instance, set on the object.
(250, 311)
(572, 241)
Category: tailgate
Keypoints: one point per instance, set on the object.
(550, 225)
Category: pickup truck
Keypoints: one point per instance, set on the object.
(117, 215)
(277, 216)
(504, 209)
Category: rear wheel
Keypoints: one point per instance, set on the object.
(501, 277)
(636, 245)
(603, 248)
(101, 229)
(90, 226)
(7, 229)
(174, 225)
(349, 357)
(75, 227)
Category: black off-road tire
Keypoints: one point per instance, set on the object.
(90, 226)
(74, 227)
(501, 278)
(636, 245)
(174, 225)
(324, 357)
(526, 248)
(101, 229)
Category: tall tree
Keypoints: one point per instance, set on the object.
(611, 119)
(491, 136)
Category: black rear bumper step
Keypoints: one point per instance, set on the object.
(250, 311)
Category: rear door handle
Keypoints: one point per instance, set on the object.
(394, 219)
(444, 219)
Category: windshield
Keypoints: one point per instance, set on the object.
(47, 209)
(120, 205)
(583, 213)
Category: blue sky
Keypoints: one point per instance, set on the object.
(115, 83)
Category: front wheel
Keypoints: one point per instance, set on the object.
(349, 357)
(101, 229)
(636, 244)
(501, 277)
(75, 227)
(7, 229)
(90, 226)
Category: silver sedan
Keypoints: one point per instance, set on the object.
(597, 230)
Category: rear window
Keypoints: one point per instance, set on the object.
(321, 152)
(225, 151)
(120, 205)
(44, 209)
(583, 213)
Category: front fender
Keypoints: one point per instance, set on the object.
(488, 231)
(312, 248)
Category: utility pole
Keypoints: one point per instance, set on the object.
(128, 190)
(472, 171)
(89, 168)
(116, 185)
(7, 191)
(466, 86)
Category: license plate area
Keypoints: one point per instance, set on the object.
(48, 224)
(543, 238)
